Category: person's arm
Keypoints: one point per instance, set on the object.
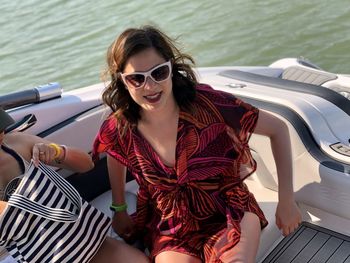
(288, 215)
(59, 156)
(117, 177)
(122, 222)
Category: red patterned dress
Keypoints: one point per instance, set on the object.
(196, 206)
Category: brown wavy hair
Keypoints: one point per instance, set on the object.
(131, 42)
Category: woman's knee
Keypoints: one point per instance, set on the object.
(115, 251)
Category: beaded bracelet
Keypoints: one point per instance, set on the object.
(118, 208)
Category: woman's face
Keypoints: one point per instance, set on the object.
(151, 95)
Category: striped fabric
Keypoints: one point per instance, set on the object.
(47, 221)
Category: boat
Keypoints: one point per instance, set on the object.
(315, 105)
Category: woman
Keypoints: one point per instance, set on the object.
(16, 151)
(171, 133)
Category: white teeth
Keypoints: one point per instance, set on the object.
(152, 96)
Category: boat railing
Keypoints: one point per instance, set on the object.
(34, 95)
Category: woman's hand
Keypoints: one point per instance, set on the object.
(44, 152)
(124, 226)
(288, 216)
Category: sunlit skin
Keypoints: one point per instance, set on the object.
(159, 112)
(144, 61)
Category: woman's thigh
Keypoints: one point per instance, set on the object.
(115, 251)
(175, 257)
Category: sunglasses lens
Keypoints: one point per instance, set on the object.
(161, 73)
(135, 80)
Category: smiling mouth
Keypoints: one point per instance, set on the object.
(154, 97)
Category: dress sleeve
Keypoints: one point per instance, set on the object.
(110, 141)
(242, 118)
(239, 115)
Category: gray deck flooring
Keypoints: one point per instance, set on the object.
(313, 244)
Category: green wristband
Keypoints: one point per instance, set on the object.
(118, 208)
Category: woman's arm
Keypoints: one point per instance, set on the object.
(288, 215)
(117, 177)
(70, 158)
(122, 222)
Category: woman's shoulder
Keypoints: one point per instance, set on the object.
(15, 138)
(226, 105)
(113, 126)
(207, 107)
(114, 137)
(113, 130)
(216, 97)
(20, 142)
(22, 138)
(109, 123)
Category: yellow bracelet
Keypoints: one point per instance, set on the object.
(57, 148)
(64, 155)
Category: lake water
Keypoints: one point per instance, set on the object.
(65, 41)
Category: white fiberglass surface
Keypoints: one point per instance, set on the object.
(327, 123)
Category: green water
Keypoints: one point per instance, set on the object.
(65, 41)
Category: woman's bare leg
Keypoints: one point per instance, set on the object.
(175, 257)
(115, 251)
(2, 206)
(247, 247)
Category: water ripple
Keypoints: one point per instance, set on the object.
(66, 41)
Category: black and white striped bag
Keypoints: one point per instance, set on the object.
(46, 220)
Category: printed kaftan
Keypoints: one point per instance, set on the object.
(196, 206)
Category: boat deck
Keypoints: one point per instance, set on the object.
(311, 243)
